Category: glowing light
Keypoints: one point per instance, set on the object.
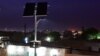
(1, 38)
(98, 36)
(80, 32)
(73, 31)
(26, 39)
(48, 39)
(92, 37)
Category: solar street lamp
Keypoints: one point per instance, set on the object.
(36, 10)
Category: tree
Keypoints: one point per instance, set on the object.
(55, 36)
(90, 34)
(40, 36)
(67, 35)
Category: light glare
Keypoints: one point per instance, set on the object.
(48, 39)
(26, 39)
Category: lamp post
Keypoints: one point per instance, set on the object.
(35, 31)
(36, 22)
(35, 28)
(35, 9)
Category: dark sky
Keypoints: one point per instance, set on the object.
(62, 14)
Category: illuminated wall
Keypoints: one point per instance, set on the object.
(13, 50)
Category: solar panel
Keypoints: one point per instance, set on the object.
(29, 9)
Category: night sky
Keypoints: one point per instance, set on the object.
(62, 14)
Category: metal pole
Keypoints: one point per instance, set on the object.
(35, 32)
(35, 28)
(35, 51)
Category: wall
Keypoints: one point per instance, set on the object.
(13, 50)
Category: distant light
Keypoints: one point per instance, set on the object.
(91, 37)
(26, 39)
(1, 37)
(75, 33)
(80, 32)
(98, 36)
(61, 37)
(48, 39)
